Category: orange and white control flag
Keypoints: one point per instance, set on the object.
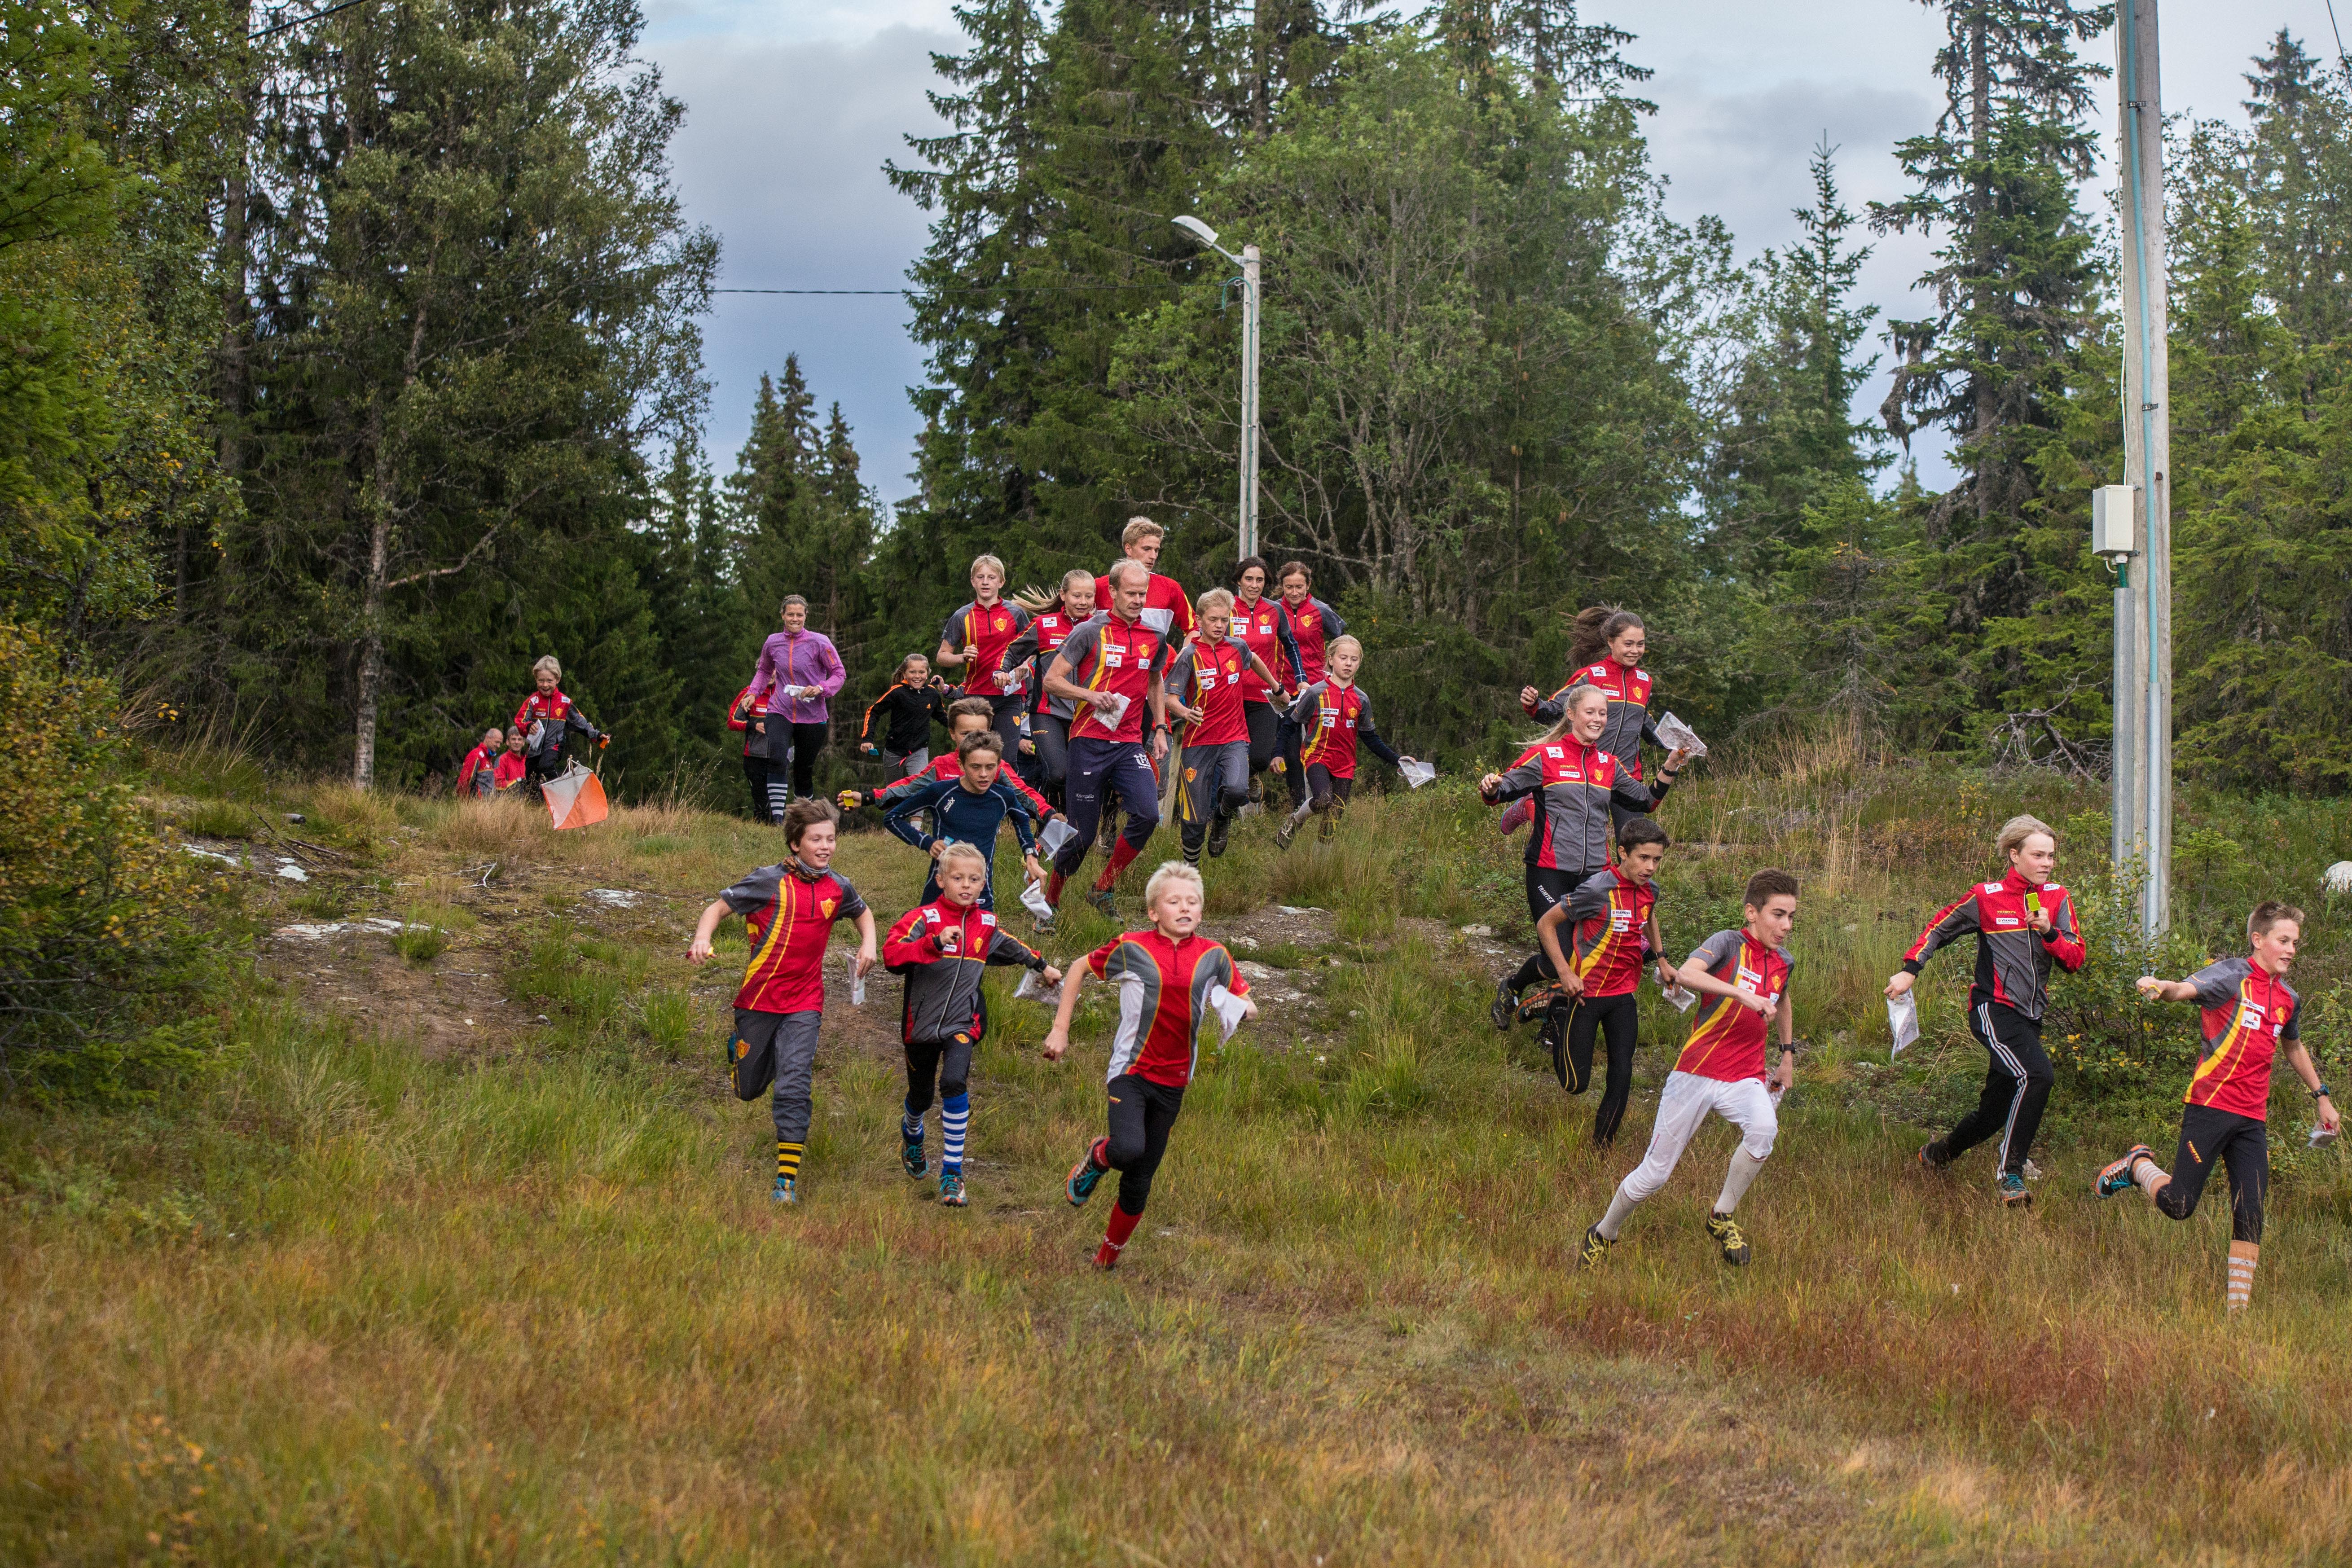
(577, 799)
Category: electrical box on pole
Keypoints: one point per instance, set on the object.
(2143, 602)
(2114, 532)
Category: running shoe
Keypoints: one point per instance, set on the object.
(787, 1189)
(1725, 1232)
(2116, 1177)
(910, 1154)
(1218, 827)
(1102, 899)
(1595, 1244)
(1537, 1002)
(1516, 814)
(2014, 1194)
(1090, 1169)
(1506, 1006)
(1929, 1160)
(1286, 833)
(951, 1189)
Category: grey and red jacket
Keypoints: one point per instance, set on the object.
(1628, 710)
(1574, 785)
(2014, 960)
(943, 997)
(1033, 649)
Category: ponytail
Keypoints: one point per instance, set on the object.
(1591, 631)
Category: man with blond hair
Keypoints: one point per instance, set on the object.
(1166, 610)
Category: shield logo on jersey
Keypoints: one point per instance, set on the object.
(1192, 773)
(826, 905)
(999, 622)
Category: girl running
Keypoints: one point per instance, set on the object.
(1261, 626)
(1614, 917)
(1742, 978)
(1577, 787)
(1169, 978)
(2251, 1016)
(974, 640)
(942, 948)
(1205, 686)
(788, 912)
(1605, 649)
(1334, 715)
(2024, 924)
(805, 672)
(1312, 625)
(897, 725)
(749, 708)
(1052, 620)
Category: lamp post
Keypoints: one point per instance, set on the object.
(1248, 262)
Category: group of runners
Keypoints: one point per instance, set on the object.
(1074, 702)
(534, 748)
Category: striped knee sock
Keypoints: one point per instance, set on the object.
(911, 1127)
(2243, 1255)
(788, 1159)
(955, 1116)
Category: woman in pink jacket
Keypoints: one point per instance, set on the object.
(806, 672)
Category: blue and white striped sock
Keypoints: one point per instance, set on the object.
(955, 1115)
(911, 1127)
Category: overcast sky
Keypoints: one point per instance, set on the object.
(791, 111)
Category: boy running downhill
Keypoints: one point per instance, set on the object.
(1334, 714)
(788, 912)
(1210, 673)
(2023, 923)
(968, 809)
(976, 639)
(1616, 916)
(944, 947)
(545, 719)
(1167, 977)
(2250, 1016)
(1113, 666)
(1742, 977)
(966, 716)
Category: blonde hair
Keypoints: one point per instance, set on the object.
(1344, 640)
(1171, 871)
(1215, 602)
(549, 665)
(1037, 601)
(959, 850)
(2017, 829)
(991, 561)
(1140, 528)
(1568, 702)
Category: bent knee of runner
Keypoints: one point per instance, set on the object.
(1756, 1143)
(2173, 1201)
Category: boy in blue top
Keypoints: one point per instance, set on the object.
(968, 809)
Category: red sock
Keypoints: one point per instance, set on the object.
(1122, 1225)
(1122, 854)
(1053, 882)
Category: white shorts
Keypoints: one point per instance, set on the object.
(1685, 1102)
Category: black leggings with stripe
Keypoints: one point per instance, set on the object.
(2016, 1088)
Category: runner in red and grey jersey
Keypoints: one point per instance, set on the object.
(1260, 625)
(1313, 625)
(1046, 746)
(1166, 610)
(1605, 651)
(2024, 924)
(2250, 1017)
(1205, 687)
(975, 639)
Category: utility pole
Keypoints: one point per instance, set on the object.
(1249, 262)
(1250, 302)
(2143, 698)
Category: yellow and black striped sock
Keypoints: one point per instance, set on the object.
(788, 1159)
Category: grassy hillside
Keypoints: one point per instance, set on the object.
(465, 1256)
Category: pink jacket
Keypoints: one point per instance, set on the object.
(800, 658)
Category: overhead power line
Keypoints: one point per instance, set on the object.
(298, 21)
(1000, 288)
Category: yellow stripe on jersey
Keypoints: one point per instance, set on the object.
(778, 929)
(2219, 1059)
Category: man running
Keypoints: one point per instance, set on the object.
(2024, 924)
(1114, 668)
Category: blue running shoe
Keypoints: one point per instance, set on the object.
(951, 1189)
(2013, 1192)
(2116, 1177)
(1090, 1169)
(1102, 899)
(910, 1153)
(787, 1189)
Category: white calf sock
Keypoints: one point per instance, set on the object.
(1620, 1206)
(1744, 1167)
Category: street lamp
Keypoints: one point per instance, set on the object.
(1248, 262)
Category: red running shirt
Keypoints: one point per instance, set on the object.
(1727, 1039)
(1163, 1001)
(550, 709)
(1211, 677)
(1331, 727)
(1107, 654)
(1166, 610)
(1313, 623)
(789, 912)
(2249, 1015)
(1611, 917)
(1259, 628)
(989, 630)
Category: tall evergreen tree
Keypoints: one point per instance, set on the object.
(2013, 280)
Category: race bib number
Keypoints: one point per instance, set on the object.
(2250, 1016)
(1621, 920)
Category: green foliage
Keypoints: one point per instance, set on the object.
(99, 955)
